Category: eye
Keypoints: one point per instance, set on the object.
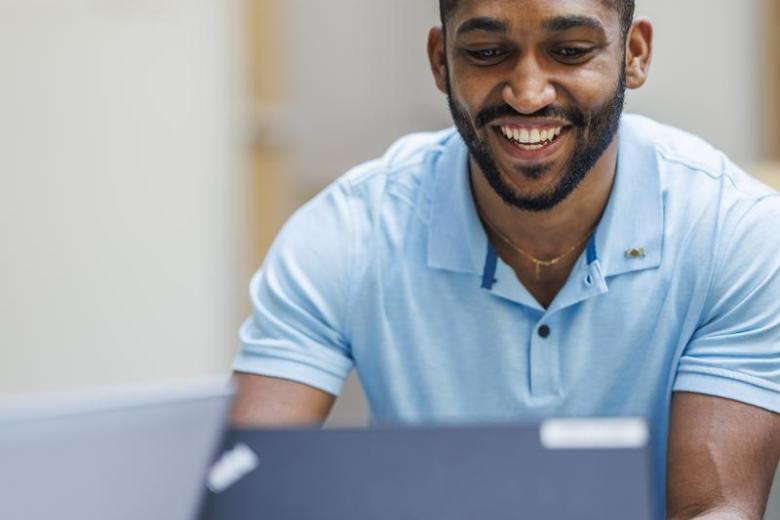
(486, 55)
(572, 54)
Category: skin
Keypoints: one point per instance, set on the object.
(722, 458)
(722, 453)
(269, 402)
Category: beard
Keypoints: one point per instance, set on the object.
(593, 133)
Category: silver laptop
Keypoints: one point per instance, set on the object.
(561, 469)
(123, 454)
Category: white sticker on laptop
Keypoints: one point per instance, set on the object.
(231, 467)
(573, 434)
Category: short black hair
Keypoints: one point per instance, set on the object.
(625, 9)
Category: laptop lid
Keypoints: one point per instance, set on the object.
(123, 454)
(560, 470)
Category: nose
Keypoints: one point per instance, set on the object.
(529, 89)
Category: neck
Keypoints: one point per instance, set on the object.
(550, 233)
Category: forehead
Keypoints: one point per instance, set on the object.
(534, 14)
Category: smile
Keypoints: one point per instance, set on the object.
(531, 139)
(531, 142)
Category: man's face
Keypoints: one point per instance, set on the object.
(536, 89)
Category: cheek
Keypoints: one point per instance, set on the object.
(591, 88)
(474, 91)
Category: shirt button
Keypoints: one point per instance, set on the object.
(544, 331)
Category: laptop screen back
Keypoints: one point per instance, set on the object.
(123, 455)
(423, 473)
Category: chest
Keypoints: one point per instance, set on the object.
(441, 345)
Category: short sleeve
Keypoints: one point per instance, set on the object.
(735, 352)
(300, 297)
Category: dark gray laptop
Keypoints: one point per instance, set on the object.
(593, 469)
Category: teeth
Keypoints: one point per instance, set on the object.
(525, 136)
(531, 139)
(531, 147)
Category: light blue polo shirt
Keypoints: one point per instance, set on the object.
(390, 271)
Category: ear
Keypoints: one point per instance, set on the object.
(437, 56)
(639, 52)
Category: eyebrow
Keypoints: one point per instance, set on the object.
(482, 23)
(556, 24)
(565, 23)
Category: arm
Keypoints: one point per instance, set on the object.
(295, 349)
(722, 458)
(267, 401)
(723, 452)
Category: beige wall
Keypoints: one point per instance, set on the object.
(269, 193)
(771, 28)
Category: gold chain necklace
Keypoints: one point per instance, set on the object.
(538, 263)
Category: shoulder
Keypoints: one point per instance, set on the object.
(396, 186)
(402, 168)
(347, 206)
(684, 159)
(403, 165)
(701, 185)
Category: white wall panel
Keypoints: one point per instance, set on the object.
(120, 177)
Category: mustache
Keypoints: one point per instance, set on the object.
(489, 114)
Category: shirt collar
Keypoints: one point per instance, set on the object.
(457, 242)
(628, 238)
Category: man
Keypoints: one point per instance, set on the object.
(551, 257)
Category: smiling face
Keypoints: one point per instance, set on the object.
(536, 89)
